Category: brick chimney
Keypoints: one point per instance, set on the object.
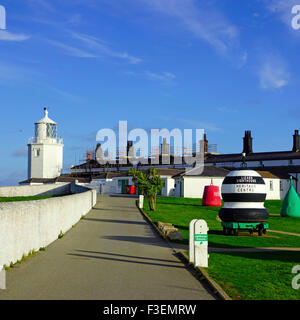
(204, 144)
(248, 142)
(296, 141)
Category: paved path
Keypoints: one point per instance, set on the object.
(111, 254)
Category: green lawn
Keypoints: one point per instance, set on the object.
(243, 275)
(255, 276)
(13, 199)
(180, 211)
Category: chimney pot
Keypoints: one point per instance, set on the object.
(296, 141)
(247, 142)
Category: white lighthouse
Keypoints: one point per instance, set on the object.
(45, 150)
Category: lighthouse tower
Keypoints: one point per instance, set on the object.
(45, 150)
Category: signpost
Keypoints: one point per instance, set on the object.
(191, 241)
(141, 201)
(199, 243)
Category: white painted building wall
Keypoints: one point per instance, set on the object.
(169, 186)
(193, 187)
(45, 150)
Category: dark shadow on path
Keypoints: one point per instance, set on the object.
(136, 239)
(127, 261)
(116, 221)
(127, 256)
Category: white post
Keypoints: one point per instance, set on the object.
(141, 201)
(201, 243)
(2, 279)
(191, 241)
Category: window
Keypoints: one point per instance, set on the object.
(281, 186)
(290, 162)
(271, 185)
(36, 152)
(51, 130)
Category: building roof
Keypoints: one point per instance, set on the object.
(204, 171)
(119, 174)
(213, 171)
(46, 119)
(255, 156)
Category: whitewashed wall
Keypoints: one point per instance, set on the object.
(30, 225)
(169, 187)
(193, 187)
(35, 190)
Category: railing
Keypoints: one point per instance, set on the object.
(35, 140)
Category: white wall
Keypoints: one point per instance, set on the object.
(193, 187)
(35, 190)
(30, 225)
(103, 186)
(169, 187)
(48, 164)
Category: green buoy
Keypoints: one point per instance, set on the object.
(291, 203)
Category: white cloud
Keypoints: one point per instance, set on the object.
(101, 47)
(282, 8)
(163, 76)
(8, 36)
(205, 22)
(72, 51)
(273, 73)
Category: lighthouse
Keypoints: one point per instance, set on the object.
(45, 150)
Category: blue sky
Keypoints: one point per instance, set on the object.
(225, 66)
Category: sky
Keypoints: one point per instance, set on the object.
(222, 66)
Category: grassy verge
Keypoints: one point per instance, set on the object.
(180, 211)
(242, 275)
(255, 276)
(31, 198)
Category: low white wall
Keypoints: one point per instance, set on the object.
(30, 225)
(35, 190)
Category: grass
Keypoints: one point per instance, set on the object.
(255, 276)
(243, 275)
(31, 198)
(180, 211)
(24, 258)
(276, 222)
(61, 235)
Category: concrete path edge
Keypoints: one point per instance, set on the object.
(200, 274)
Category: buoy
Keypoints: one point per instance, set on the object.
(132, 190)
(291, 203)
(211, 196)
(244, 193)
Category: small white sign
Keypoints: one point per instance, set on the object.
(198, 243)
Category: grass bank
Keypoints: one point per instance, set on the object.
(255, 275)
(180, 211)
(31, 198)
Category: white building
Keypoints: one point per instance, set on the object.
(45, 150)
(191, 184)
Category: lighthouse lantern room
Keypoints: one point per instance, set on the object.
(45, 150)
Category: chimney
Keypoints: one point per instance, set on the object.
(130, 151)
(247, 142)
(296, 141)
(204, 144)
